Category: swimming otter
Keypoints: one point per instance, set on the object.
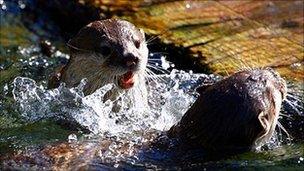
(106, 51)
(239, 112)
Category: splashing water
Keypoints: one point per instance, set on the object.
(169, 97)
(168, 101)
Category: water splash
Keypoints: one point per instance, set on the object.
(124, 132)
(168, 100)
(119, 138)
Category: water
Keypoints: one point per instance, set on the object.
(127, 135)
(33, 118)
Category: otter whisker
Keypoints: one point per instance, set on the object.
(295, 100)
(77, 48)
(247, 65)
(292, 96)
(242, 65)
(152, 38)
(227, 73)
(284, 130)
(150, 78)
(237, 56)
(239, 64)
(293, 107)
(151, 74)
(147, 77)
(298, 107)
(155, 65)
(295, 103)
(158, 63)
(156, 69)
(288, 116)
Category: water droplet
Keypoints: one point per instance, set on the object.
(72, 138)
(3, 7)
(21, 4)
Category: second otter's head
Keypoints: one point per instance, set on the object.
(108, 51)
(240, 111)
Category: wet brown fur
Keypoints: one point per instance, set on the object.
(237, 112)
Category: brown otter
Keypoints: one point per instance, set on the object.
(106, 51)
(240, 111)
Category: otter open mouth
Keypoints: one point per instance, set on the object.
(126, 80)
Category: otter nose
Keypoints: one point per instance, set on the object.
(130, 60)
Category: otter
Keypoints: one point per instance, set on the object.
(239, 112)
(103, 52)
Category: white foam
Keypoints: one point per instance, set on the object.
(168, 100)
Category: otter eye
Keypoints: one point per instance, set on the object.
(137, 43)
(105, 51)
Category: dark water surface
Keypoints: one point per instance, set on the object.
(27, 29)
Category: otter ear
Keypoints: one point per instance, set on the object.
(202, 88)
(72, 45)
(143, 33)
(86, 39)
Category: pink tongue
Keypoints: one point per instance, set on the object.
(126, 81)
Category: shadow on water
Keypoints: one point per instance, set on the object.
(28, 27)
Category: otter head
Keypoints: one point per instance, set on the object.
(107, 51)
(238, 112)
(266, 90)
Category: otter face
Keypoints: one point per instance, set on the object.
(113, 50)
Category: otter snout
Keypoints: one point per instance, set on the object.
(131, 61)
